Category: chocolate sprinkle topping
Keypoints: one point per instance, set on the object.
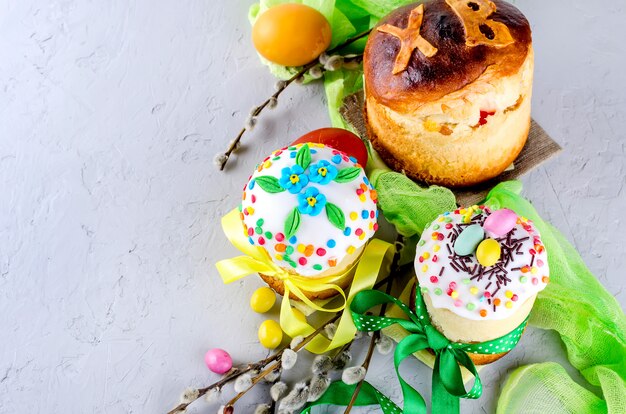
(496, 276)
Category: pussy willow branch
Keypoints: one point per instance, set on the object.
(276, 364)
(395, 269)
(255, 381)
(368, 358)
(235, 143)
(260, 108)
(349, 41)
(228, 378)
(254, 366)
(366, 364)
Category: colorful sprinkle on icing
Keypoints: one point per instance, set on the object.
(309, 206)
(514, 267)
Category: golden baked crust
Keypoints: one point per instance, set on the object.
(278, 286)
(347, 267)
(455, 64)
(484, 359)
(462, 115)
(457, 161)
(447, 142)
(477, 359)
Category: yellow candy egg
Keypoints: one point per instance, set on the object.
(291, 34)
(488, 252)
(262, 300)
(270, 334)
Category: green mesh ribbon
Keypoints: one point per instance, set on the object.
(339, 393)
(447, 382)
(405, 204)
(588, 319)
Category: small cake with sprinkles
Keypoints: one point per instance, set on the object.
(479, 272)
(312, 209)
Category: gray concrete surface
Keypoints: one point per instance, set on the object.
(110, 115)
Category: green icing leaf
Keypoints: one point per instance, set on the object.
(269, 184)
(303, 157)
(292, 223)
(347, 174)
(335, 216)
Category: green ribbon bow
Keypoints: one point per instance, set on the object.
(340, 393)
(447, 383)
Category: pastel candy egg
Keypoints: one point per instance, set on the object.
(468, 240)
(262, 300)
(488, 252)
(218, 360)
(270, 334)
(500, 222)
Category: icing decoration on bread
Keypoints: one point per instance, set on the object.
(481, 264)
(309, 206)
(410, 39)
(479, 29)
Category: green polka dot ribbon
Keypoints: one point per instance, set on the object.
(447, 382)
(339, 393)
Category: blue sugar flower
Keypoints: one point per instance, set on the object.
(293, 179)
(311, 202)
(322, 172)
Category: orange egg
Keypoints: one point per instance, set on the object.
(291, 34)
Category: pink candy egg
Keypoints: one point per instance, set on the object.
(500, 222)
(218, 360)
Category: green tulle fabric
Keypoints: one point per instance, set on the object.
(347, 18)
(588, 319)
(406, 205)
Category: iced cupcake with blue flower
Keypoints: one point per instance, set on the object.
(312, 209)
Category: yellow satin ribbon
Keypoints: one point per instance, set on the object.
(256, 260)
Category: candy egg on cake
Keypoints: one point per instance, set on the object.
(479, 272)
(311, 208)
(448, 85)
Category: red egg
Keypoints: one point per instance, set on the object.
(339, 139)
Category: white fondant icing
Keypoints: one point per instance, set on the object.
(319, 245)
(526, 272)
